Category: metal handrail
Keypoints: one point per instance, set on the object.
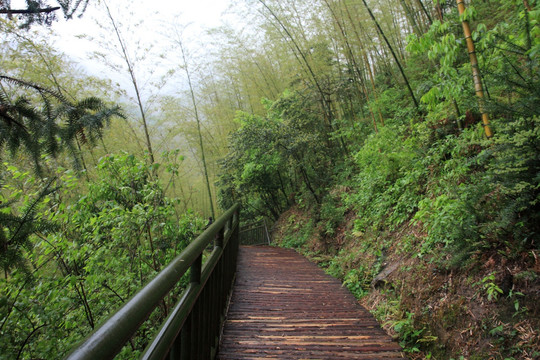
(255, 234)
(192, 328)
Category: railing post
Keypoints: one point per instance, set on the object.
(195, 279)
(185, 340)
(218, 242)
(195, 271)
(195, 319)
(266, 231)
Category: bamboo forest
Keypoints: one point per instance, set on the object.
(393, 143)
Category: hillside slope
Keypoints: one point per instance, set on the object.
(485, 308)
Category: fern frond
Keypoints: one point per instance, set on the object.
(15, 231)
(33, 86)
(56, 125)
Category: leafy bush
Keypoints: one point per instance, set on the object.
(515, 174)
(447, 220)
(331, 214)
(112, 240)
(298, 234)
(357, 282)
(385, 192)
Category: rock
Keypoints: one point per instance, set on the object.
(380, 279)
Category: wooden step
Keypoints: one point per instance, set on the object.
(284, 307)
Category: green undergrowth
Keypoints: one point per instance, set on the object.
(436, 233)
(109, 241)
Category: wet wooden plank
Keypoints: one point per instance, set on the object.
(284, 307)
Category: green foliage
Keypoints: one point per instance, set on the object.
(48, 123)
(331, 214)
(515, 172)
(431, 172)
(448, 186)
(408, 334)
(386, 191)
(18, 227)
(273, 158)
(491, 289)
(427, 185)
(506, 51)
(447, 220)
(112, 240)
(357, 282)
(441, 45)
(253, 169)
(393, 105)
(299, 233)
(411, 336)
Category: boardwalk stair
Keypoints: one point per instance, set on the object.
(284, 307)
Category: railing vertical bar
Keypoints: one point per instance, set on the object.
(218, 284)
(222, 285)
(195, 271)
(266, 232)
(219, 289)
(185, 340)
(205, 343)
(218, 242)
(200, 330)
(211, 311)
(230, 260)
(194, 323)
(204, 321)
(214, 311)
(254, 234)
(175, 353)
(226, 264)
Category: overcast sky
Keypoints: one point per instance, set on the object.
(152, 17)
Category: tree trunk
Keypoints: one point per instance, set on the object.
(352, 59)
(438, 10)
(283, 188)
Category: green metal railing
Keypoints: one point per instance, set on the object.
(255, 234)
(191, 331)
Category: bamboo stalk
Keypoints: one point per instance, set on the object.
(398, 63)
(410, 18)
(365, 58)
(476, 73)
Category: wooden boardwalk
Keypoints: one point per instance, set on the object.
(284, 307)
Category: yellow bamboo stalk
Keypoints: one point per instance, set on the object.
(475, 72)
